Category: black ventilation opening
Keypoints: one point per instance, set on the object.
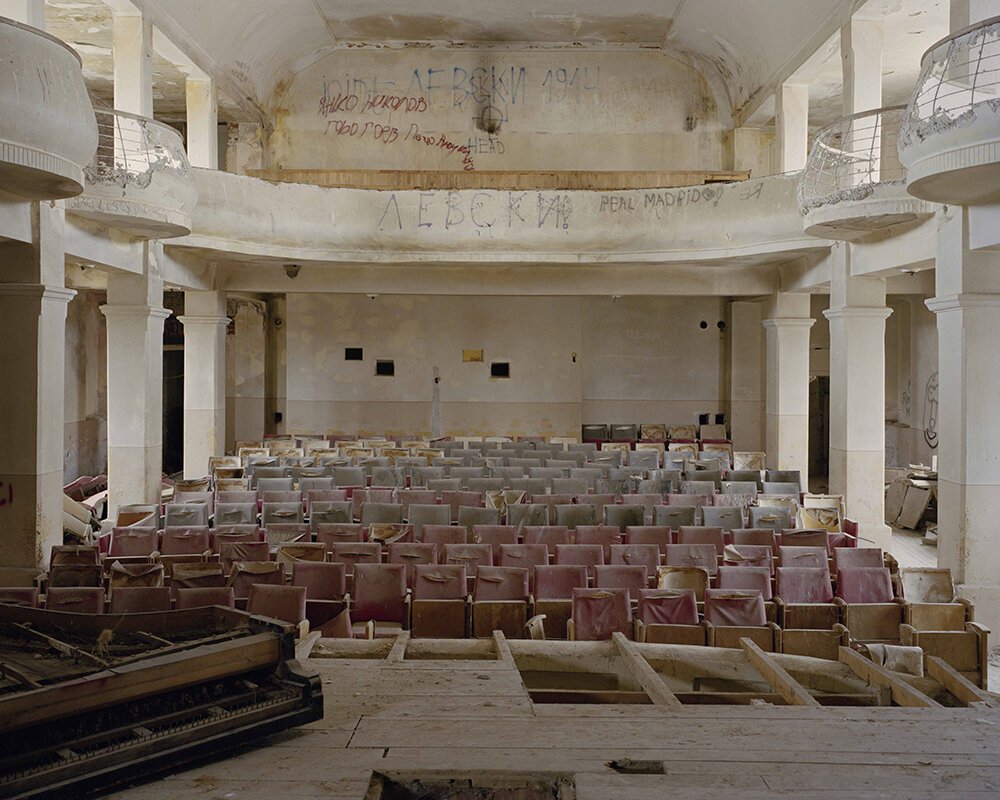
(354, 354)
(385, 368)
(500, 369)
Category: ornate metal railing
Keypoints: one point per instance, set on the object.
(130, 149)
(959, 73)
(849, 158)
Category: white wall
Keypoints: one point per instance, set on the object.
(85, 441)
(911, 384)
(245, 355)
(557, 110)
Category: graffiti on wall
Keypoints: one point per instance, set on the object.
(930, 420)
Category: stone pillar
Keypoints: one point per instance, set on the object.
(133, 60)
(205, 324)
(791, 124)
(135, 316)
(202, 123)
(30, 12)
(857, 317)
(861, 55)
(33, 301)
(967, 304)
(787, 421)
(746, 372)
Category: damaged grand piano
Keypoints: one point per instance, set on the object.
(89, 701)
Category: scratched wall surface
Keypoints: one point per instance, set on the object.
(434, 109)
(636, 360)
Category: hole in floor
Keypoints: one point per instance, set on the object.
(470, 786)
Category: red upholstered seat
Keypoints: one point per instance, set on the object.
(185, 541)
(75, 599)
(139, 599)
(702, 534)
(285, 603)
(864, 585)
(439, 582)
(693, 555)
(755, 536)
(597, 613)
(19, 595)
(548, 535)
(410, 554)
(621, 576)
(668, 607)
(803, 557)
(647, 555)
(746, 579)
(331, 533)
(587, 555)
(128, 542)
(444, 534)
(500, 584)
(557, 581)
(804, 585)
(379, 593)
(603, 535)
(660, 535)
(749, 555)
(850, 557)
(246, 573)
(729, 608)
(211, 596)
(494, 536)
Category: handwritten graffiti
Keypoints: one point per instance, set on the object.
(443, 142)
(6, 494)
(373, 103)
(930, 420)
(387, 134)
(488, 145)
(479, 211)
(563, 84)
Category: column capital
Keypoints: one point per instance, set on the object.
(156, 312)
(957, 302)
(39, 290)
(858, 312)
(788, 322)
(203, 319)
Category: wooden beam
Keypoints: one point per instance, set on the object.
(502, 648)
(650, 682)
(956, 683)
(398, 648)
(902, 693)
(793, 692)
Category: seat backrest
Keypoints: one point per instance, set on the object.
(139, 541)
(387, 476)
(527, 515)
(482, 485)
(748, 488)
(549, 535)
(494, 536)
(285, 603)
(706, 488)
(746, 578)
(572, 515)
(421, 475)
(927, 585)
(803, 556)
(597, 613)
(749, 555)
(409, 497)
(603, 535)
(439, 582)
(281, 513)
(236, 496)
(659, 535)
(204, 496)
(442, 534)
(849, 557)
(283, 496)
(725, 517)
(777, 518)
(557, 581)
(792, 476)
(804, 585)
(757, 536)
(500, 583)
(20, 595)
(747, 476)
(526, 556)
(702, 534)
(330, 532)
(375, 512)
(139, 599)
(477, 515)
(864, 585)
(673, 516)
(423, 516)
(235, 513)
(626, 515)
(353, 553)
(230, 552)
(574, 486)
(668, 607)
(673, 577)
(806, 538)
(587, 555)
(186, 515)
(379, 593)
(75, 599)
(326, 512)
(646, 555)
(471, 555)
(318, 484)
(246, 573)
(410, 554)
(622, 576)
(349, 476)
(732, 608)
(205, 596)
(185, 541)
(274, 485)
(692, 555)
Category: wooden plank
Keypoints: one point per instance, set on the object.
(503, 649)
(398, 648)
(956, 683)
(650, 682)
(902, 693)
(791, 690)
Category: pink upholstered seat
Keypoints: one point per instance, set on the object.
(185, 541)
(418, 497)
(196, 575)
(804, 585)
(756, 536)
(524, 556)
(331, 533)
(139, 599)
(702, 534)
(439, 582)
(458, 499)
(729, 608)
(231, 552)
(133, 542)
(353, 553)
(851, 557)
(864, 585)
(647, 501)
(494, 536)
(234, 533)
(693, 555)
(587, 555)
(548, 535)
(471, 555)
(806, 538)
(361, 496)
(410, 554)
(379, 593)
(598, 501)
(749, 555)
(647, 555)
(19, 596)
(603, 535)
(445, 534)
(322, 580)
(557, 582)
(323, 496)
(621, 576)
(597, 613)
(285, 603)
(668, 607)
(803, 557)
(500, 584)
(246, 573)
(746, 578)
(660, 535)
(212, 596)
(75, 599)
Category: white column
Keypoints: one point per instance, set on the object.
(787, 326)
(967, 304)
(205, 324)
(202, 123)
(857, 317)
(746, 371)
(135, 316)
(133, 59)
(861, 54)
(33, 302)
(791, 124)
(30, 12)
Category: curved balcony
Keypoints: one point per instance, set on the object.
(140, 180)
(950, 137)
(47, 129)
(853, 184)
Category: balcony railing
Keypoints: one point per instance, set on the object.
(130, 149)
(956, 75)
(850, 158)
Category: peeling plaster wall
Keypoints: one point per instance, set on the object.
(637, 360)
(245, 358)
(413, 109)
(85, 408)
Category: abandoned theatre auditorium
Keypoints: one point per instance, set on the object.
(499, 401)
